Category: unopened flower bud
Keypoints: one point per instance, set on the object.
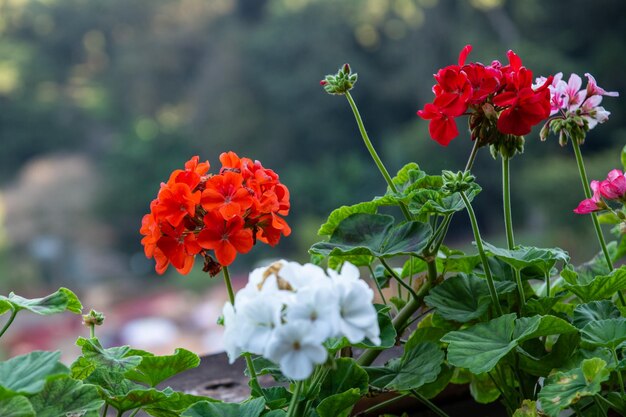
(94, 318)
(454, 182)
(341, 82)
(545, 131)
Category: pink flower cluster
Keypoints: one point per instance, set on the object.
(508, 88)
(612, 188)
(571, 99)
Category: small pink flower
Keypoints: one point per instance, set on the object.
(593, 88)
(614, 187)
(590, 205)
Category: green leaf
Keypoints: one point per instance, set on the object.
(27, 374)
(482, 389)
(566, 388)
(606, 333)
(609, 218)
(67, 397)
(406, 176)
(387, 331)
(174, 405)
(600, 287)
(266, 367)
(155, 369)
(16, 407)
(345, 376)
(276, 397)
(429, 202)
(623, 158)
(418, 366)
(338, 215)
(139, 397)
(480, 347)
(375, 235)
(594, 311)
(538, 326)
(557, 357)
(252, 408)
(529, 256)
(57, 302)
(339, 405)
(432, 389)
(528, 409)
(461, 298)
(115, 359)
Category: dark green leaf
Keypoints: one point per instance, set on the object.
(276, 397)
(115, 359)
(344, 376)
(57, 302)
(173, 405)
(155, 369)
(266, 367)
(480, 347)
(461, 298)
(600, 287)
(432, 389)
(339, 405)
(338, 215)
(387, 331)
(558, 357)
(538, 326)
(252, 408)
(566, 388)
(27, 374)
(67, 397)
(606, 333)
(375, 235)
(16, 407)
(594, 311)
(529, 256)
(418, 366)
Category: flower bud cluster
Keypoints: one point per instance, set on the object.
(577, 110)
(287, 311)
(341, 82)
(456, 182)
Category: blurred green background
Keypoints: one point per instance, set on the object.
(100, 100)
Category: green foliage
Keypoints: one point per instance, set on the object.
(57, 302)
(27, 374)
(529, 256)
(600, 287)
(339, 405)
(609, 333)
(565, 388)
(16, 407)
(374, 235)
(344, 376)
(152, 370)
(252, 408)
(65, 397)
(419, 365)
(594, 311)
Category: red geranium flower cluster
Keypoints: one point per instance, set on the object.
(195, 212)
(507, 88)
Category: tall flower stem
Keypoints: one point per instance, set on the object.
(508, 222)
(372, 151)
(594, 218)
(291, 412)
(506, 198)
(481, 252)
(8, 323)
(231, 296)
(472, 157)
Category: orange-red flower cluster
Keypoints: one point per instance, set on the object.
(196, 212)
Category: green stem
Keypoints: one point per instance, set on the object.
(397, 278)
(8, 323)
(547, 274)
(318, 377)
(294, 399)
(403, 316)
(483, 256)
(106, 409)
(429, 404)
(607, 402)
(619, 373)
(381, 406)
(378, 287)
(506, 198)
(472, 157)
(594, 218)
(92, 331)
(372, 151)
(119, 413)
(520, 287)
(231, 296)
(441, 230)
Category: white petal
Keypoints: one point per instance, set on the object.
(296, 365)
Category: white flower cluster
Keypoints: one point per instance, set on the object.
(288, 310)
